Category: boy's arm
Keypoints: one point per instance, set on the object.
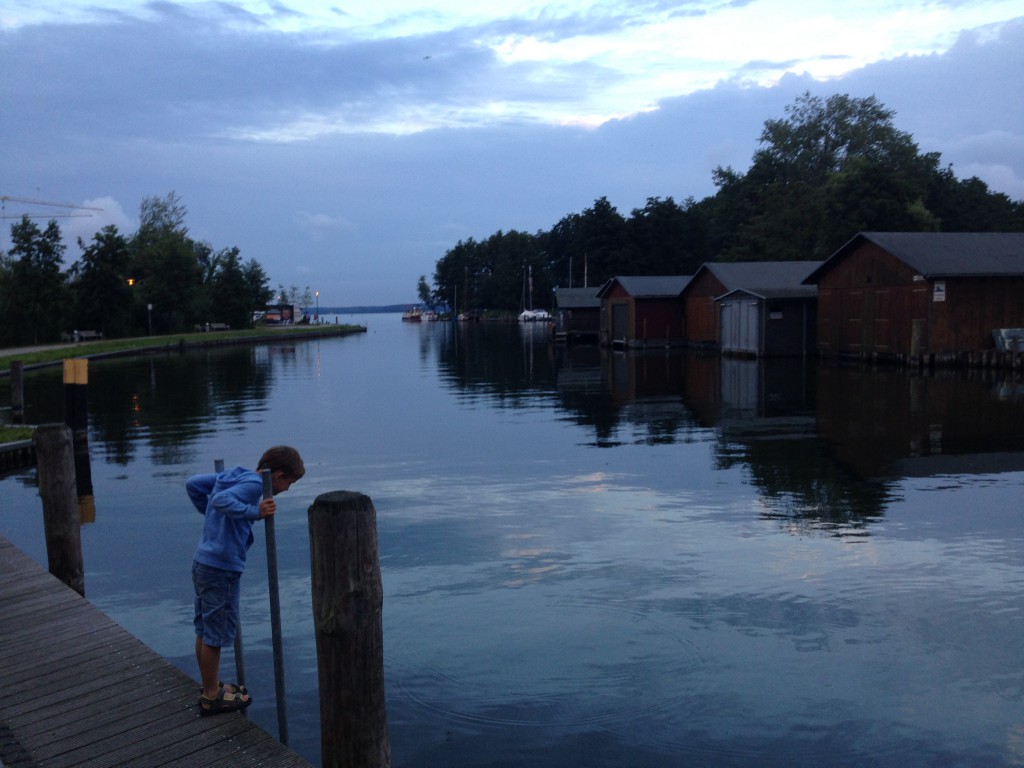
(199, 488)
(241, 500)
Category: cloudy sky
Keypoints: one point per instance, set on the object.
(346, 146)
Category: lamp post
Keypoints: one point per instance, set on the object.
(149, 316)
(316, 317)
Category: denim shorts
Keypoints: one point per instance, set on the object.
(216, 607)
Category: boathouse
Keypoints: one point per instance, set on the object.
(776, 283)
(577, 314)
(916, 294)
(643, 311)
(768, 322)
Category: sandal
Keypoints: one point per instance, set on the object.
(225, 701)
(236, 688)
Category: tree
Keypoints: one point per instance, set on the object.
(423, 292)
(101, 295)
(166, 267)
(34, 291)
(820, 136)
(231, 301)
(830, 168)
(667, 239)
(257, 284)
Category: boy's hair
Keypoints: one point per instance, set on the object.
(283, 458)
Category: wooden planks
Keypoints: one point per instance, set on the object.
(78, 691)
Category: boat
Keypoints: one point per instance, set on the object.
(412, 315)
(534, 316)
(529, 314)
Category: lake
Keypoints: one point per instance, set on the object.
(592, 558)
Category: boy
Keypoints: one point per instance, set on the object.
(231, 502)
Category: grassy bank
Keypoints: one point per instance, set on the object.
(10, 434)
(57, 353)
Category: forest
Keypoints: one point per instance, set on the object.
(832, 167)
(157, 280)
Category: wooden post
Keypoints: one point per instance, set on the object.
(348, 600)
(56, 463)
(76, 416)
(17, 392)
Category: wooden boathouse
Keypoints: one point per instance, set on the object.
(774, 291)
(577, 314)
(911, 295)
(643, 311)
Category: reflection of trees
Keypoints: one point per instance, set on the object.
(514, 364)
(821, 442)
(168, 400)
(766, 423)
(799, 482)
(500, 362)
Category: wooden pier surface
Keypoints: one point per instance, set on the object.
(77, 690)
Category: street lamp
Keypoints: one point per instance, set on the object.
(316, 317)
(149, 315)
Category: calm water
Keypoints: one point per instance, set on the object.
(594, 559)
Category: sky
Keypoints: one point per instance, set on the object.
(346, 146)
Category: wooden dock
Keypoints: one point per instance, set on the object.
(78, 691)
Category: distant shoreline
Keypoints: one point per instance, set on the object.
(368, 310)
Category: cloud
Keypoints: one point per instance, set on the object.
(359, 158)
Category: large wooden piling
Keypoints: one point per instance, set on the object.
(348, 600)
(56, 462)
(76, 416)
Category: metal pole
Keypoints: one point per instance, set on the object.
(218, 466)
(275, 612)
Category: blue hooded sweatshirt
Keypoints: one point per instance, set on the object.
(230, 502)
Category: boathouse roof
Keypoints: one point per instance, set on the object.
(577, 298)
(648, 286)
(942, 254)
(767, 279)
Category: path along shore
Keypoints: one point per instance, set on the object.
(172, 342)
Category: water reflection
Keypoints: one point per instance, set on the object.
(593, 558)
(824, 443)
(165, 401)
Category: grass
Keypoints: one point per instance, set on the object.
(9, 434)
(58, 353)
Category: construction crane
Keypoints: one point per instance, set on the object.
(4, 199)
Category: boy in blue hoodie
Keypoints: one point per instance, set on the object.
(231, 502)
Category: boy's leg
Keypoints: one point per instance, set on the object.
(209, 668)
(216, 613)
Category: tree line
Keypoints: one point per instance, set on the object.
(157, 280)
(831, 168)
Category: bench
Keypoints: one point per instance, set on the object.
(81, 336)
(212, 327)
